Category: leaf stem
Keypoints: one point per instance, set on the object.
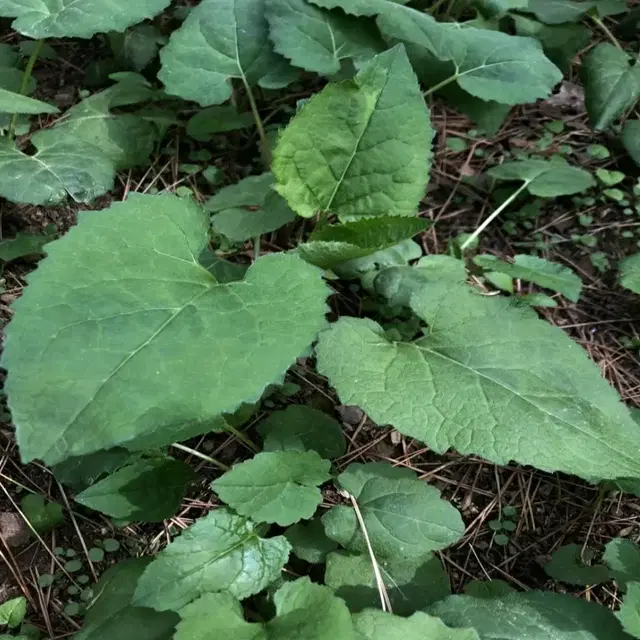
(202, 456)
(494, 215)
(26, 76)
(606, 31)
(256, 248)
(242, 437)
(444, 83)
(259, 124)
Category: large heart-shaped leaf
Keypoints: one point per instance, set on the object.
(132, 337)
(77, 18)
(220, 552)
(360, 147)
(219, 40)
(488, 378)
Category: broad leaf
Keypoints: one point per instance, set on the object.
(630, 273)
(331, 245)
(359, 148)
(404, 517)
(530, 616)
(131, 324)
(220, 552)
(219, 40)
(488, 588)
(11, 102)
(217, 120)
(397, 255)
(277, 486)
(82, 471)
(309, 542)
(567, 565)
(380, 625)
(623, 559)
(488, 378)
(43, 515)
(302, 428)
(611, 83)
(629, 614)
(411, 584)
(559, 11)
(304, 611)
(631, 139)
(318, 40)
(147, 490)
(13, 611)
(137, 47)
(24, 244)
(70, 167)
(111, 614)
(76, 18)
(549, 275)
(545, 178)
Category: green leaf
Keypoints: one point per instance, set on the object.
(566, 565)
(303, 611)
(11, 102)
(611, 84)
(111, 614)
(24, 244)
(489, 378)
(380, 625)
(147, 490)
(43, 515)
(631, 139)
(302, 428)
(331, 245)
(530, 616)
(544, 273)
(217, 119)
(545, 178)
(623, 559)
(220, 552)
(137, 47)
(82, 471)
(286, 490)
(630, 273)
(559, 11)
(309, 542)
(411, 584)
(160, 320)
(219, 40)
(629, 614)
(404, 517)
(488, 588)
(12, 612)
(70, 167)
(319, 40)
(76, 18)
(496, 8)
(397, 255)
(222, 270)
(374, 125)
(250, 192)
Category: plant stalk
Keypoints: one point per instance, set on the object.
(607, 32)
(242, 437)
(444, 83)
(259, 124)
(493, 216)
(26, 76)
(202, 456)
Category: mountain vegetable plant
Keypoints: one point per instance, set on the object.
(135, 334)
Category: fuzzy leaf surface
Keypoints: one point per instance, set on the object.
(549, 275)
(488, 378)
(318, 40)
(275, 486)
(77, 18)
(530, 616)
(545, 178)
(404, 517)
(219, 40)
(220, 552)
(147, 490)
(123, 331)
(359, 147)
(611, 84)
(630, 273)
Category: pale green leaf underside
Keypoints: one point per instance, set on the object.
(219, 40)
(122, 330)
(611, 84)
(549, 275)
(11, 102)
(489, 379)
(530, 616)
(359, 148)
(77, 18)
(630, 273)
(545, 178)
(629, 614)
(61, 168)
(220, 552)
(318, 40)
(275, 486)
